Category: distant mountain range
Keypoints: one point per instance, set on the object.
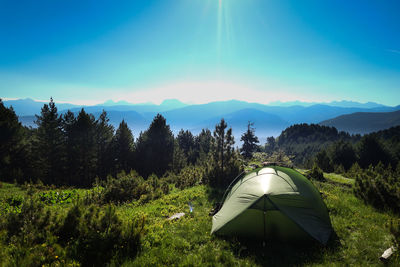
(364, 122)
(343, 104)
(27, 106)
(268, 119)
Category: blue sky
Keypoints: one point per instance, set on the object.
(200, 50)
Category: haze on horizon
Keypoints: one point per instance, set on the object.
(198, 51)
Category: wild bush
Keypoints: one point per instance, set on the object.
(339, 169)
(127, 187)
(323, 161)
(189, 176)
(89, 235)
(354, 170)
(394, 228)
(29, 235)
(380, 187)
(58, 196)
(220, 178)
(124, 188)
(315, 173)
(94, 235)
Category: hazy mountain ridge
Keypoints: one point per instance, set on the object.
(364, 122)
(30, 107)
(268, 120)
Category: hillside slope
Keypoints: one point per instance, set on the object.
(364, 122)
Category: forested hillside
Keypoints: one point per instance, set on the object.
(303, 141)
(364, 122)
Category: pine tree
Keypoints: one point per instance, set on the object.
(71, 164)
(49, 145)
(249, 142)
(224, 166)
(343, 153)
(104, 136)
(13, 146)
(223, 143)
(323, 161)
(186, 143)
(155, 148)
(371, 151)
(85, 149)
(179, 159)
(204, 141)
(123, 148)
(203, 144)
(270, 145)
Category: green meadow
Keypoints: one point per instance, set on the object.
(361, 232)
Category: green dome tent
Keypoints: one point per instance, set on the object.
(273, 203)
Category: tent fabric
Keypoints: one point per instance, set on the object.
(273, 202)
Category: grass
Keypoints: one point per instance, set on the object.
(362, 232)
(339, 179)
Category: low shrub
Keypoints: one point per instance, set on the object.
(58, 196)
(93, 235)
(89, 235)
(11, 204)
(217, 177)
(189, 176)
(394, 228)
(379, 187)
(126, 188)
(354, 170)
(29, 235)
(315, 173)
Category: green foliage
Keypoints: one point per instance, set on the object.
(88, 235)
(224, 165)
(190, 176)
(104, 138)
(323, 161)
(204, 142)
(187, 144)
(155, 148)
(123, 148)
(315, 173)
(94, 235)
(127, 188)
(354, 170)
(339, 169)
(12, 203)
(280, 157)
(179, 159)
(58, 196)
(394, 228)
(250, 141)
(48, 146)
(29, 236)
(84, 150)
(343, 154)
(371, 151)
(13, 147)
(304, 141)
(270, 146)
(380, 187)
